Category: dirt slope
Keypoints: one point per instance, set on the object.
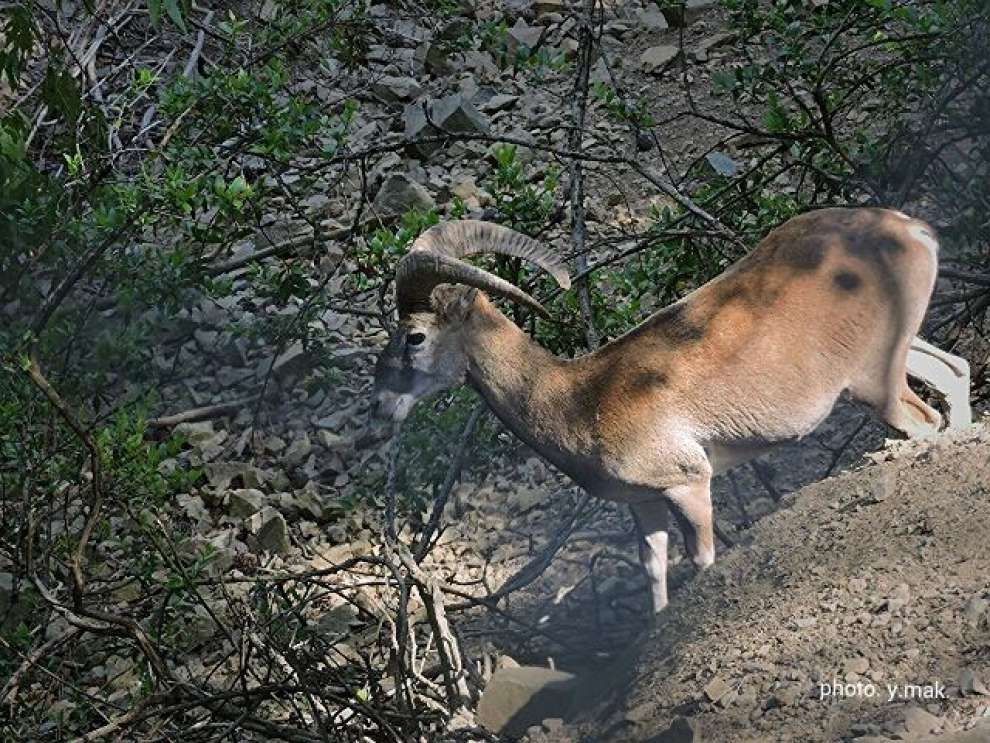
(878, 576)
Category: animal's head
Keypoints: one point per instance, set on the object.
(435, 292)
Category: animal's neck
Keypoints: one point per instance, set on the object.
(528, 388)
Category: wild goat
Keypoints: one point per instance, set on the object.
(829, 302)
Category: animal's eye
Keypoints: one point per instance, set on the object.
(414, 339)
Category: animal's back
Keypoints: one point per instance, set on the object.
(766, 347)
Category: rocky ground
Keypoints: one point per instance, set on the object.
(857, 612)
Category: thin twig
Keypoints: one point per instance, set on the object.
(579, 106)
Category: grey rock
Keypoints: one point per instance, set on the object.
(785, 696)
(279, 230)
(618, 29)
(975, 611)
(220, 475)
(456, 114)
(198, 434)
(684, 15)
(599, 73)
(292, 363)
(656, 58)
(453, 113)
(271, 534)
(918, 721)
(480, 63)
(304, 503)
(651, 19)
(970, 684)
(398, 194)
(409, 33)
(681, 730)
(332, 440)
(206, 339)
(523, 154)
(394, 89)
(542, 7)
(244, 502)
(193, 507)
(298, 450)
(701, 52)
(434, 58)
(521, 36)
(722, 164)
(317, 203)
(516, 698)
(518, 8)
(499, 102)
(717, 688)
(858, 665)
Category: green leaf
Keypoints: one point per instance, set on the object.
(61, 94)
(16, 43)
(155, 12)
(175, 13)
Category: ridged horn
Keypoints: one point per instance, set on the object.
(436, 258)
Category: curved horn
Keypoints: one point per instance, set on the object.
(435, 258)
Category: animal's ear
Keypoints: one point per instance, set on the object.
(453, 303)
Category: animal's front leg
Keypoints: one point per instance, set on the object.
(653, 522)
(692, 502)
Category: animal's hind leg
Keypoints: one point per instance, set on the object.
(947, 374)
(910, 415)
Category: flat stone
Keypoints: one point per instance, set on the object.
(970, 684)
(434, 58)
(499, 102)
(681, 730)
(918, 721)
(700, 53)
(270, 531)
(332, 440)
(243, 502)
(717, 688)
(399, 193)
(453, 113)
(293, 362)
(516, 698)
(196, 434)
(686, 14)
(542, 7)
(394, 89)
(975, 611)
(858, 665)
(785, 696)
(221, 474)
(298, 450)
(651, 19)
(656, 58)
(522, 35)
